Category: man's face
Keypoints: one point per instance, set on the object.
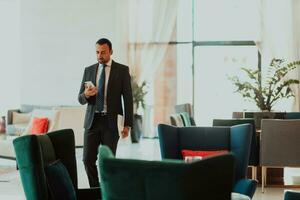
(103, 53)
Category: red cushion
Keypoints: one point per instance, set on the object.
(202, 154)
(39, 126)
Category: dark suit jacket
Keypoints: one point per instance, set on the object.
(119, 85)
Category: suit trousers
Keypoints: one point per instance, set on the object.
(99, 134)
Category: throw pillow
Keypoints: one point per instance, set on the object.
(202, 154)
(39, 126)
(52, 116)
(185, 118)
(59, 181)
(20, 118)
(16, 129)
(177, 120)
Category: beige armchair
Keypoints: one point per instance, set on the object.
(186, 107)
(279, 145)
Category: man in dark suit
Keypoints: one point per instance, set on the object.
(103, 86)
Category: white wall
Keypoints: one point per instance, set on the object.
(9, 55)
(57, 42)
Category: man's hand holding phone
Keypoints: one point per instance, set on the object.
(90, 89)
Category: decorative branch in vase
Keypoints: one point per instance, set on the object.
(138, 94)
(275, 87)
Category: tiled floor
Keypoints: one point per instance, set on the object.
(11, 188)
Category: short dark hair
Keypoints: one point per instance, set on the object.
(104, 41)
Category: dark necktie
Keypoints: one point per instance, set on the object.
(101, 86)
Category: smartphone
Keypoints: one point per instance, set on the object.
(89, 84)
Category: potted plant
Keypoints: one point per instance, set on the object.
(138, 94)
(265, 94)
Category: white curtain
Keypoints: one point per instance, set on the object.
(144, 28)
(151, 24)
(280, 35)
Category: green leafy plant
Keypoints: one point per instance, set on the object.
(266, 94)
(138, 93)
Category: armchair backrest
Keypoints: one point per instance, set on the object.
(236, 139)
(186, 107)
(254, 150)
(210, 178)
(280, 141)
(174, 139)
(258, 116)
(34, 152)
(292, 115)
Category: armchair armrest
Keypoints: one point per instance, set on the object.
(169, 146)
(10, 115)
(246, 187)
(291, 195)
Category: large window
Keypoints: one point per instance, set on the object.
(214, 40)
(229, 20)
(211, 41)
(214, 96)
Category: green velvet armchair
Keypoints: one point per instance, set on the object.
(128, 179)
(34, 156)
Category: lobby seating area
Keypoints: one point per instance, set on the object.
(20, 122)
(147, 149)
(48, 170)
(236, 136)
(197, 100)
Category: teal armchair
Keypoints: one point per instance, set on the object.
(236, 139)
(128, 179)
(292, 115)
(291, 195)
(36, 156)
(254, 149)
